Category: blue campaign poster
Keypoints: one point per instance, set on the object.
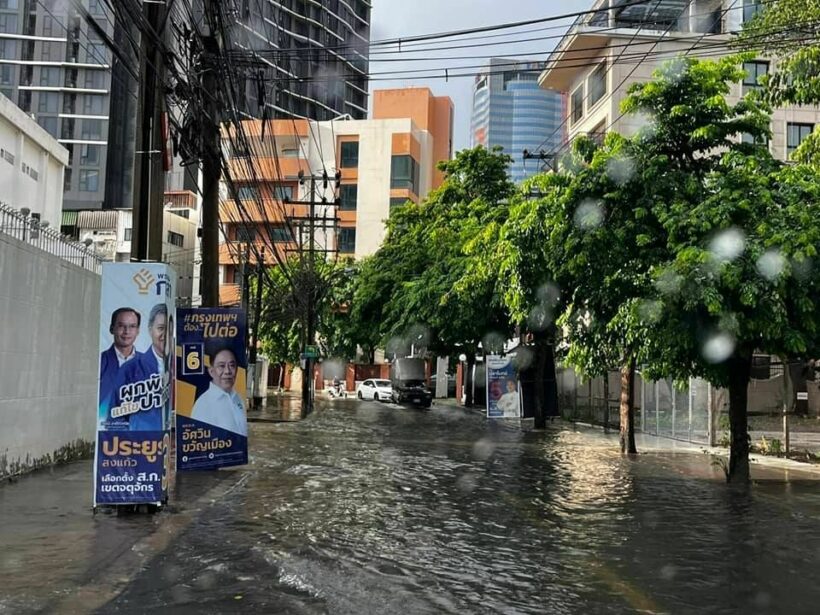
(503, 399)
(132, 463)
(211, 423)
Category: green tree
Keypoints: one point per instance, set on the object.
(730, 212)
(409, 287)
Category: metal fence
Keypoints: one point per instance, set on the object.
(661, 408)
(29, 229)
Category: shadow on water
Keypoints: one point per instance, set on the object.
(371, 508)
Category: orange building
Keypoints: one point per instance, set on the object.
(382, 162)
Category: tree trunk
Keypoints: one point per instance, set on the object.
(550, 379)
(468, 381)
(740, 366)
(541, 349)
(627, 407)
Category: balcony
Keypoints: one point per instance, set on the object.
(180, 198)
(230, 252)
(266, 168)
(269, 211)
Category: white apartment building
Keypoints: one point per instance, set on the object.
(606, 51)
(32, 164)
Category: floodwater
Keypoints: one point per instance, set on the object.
(369, 508)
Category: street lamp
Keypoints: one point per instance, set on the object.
(25, 211)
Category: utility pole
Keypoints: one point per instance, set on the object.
(256, 398)
(211, 168)
(310, 293)
(147, 230)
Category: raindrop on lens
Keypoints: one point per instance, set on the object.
(589, 215)
(727, 245)
(548, 294)
(539, 318)
(771, 264)
(620, 170)
(718, 348)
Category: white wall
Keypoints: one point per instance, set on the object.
(29, 144)
(49, 357)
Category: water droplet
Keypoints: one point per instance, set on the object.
(771, 264)
(493, 342)
(467, 483)
(524, 358)
(669, 282)
(482, 449)
(669, 572)
(540, 318)
(727, 245)
(589, 215)
(650, 311)
(620, 169)
(718, 347)
(548, 294)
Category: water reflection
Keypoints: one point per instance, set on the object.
(367, 508)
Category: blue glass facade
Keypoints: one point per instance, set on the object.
(511, 110)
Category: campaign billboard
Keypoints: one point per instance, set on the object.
(211, 423)
(503, 398)
(131, 462)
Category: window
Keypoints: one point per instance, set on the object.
(576, 104)
(6, 74)
(597, 84)
(754, 71)
(747, 138)
(94, 79)
(280, 234)
(176, 239)
(93, 105)
(8, 49)
(8, 23)
(347, 240)
(92, 130)
(90, 155)
(750, 9)
(52, 26)
(348, 193)
(96, 52)
(127, 236)
(89, 180)
(282, 192)
(290, 153)
(795, 133)
(49, 102)
(247, 193)
(49, 123)
(397, 201)
(8, 4)
(404, 173)
(350, 155)
(245, 234)
(50, 76)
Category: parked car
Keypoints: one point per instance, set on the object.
(407, 378)
(379, 390)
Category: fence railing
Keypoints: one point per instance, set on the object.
(29, 229)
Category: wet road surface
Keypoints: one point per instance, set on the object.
(369, 508)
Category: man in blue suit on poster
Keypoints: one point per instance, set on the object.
(148, 367)
(124, 327)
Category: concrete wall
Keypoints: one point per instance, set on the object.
(49, 325)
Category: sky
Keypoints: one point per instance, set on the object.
(401, 18)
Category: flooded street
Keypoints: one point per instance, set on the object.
(368, 508)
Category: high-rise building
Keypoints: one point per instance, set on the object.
(382, 162)
(620, 43)
(511, 110)
(57, 69)
(313, 56)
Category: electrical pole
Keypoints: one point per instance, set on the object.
(211, 168)
(147, 226)
(256, 398)
(310, 308)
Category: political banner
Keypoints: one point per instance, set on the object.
(503, 399)
(132, 463)
(211, 424)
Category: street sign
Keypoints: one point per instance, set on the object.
(311, 352)
(803, 396)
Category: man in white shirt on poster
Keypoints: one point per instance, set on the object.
(509, 403)
(220, 405)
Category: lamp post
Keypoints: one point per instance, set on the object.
(25, 211)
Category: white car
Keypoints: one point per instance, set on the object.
(375, 389)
